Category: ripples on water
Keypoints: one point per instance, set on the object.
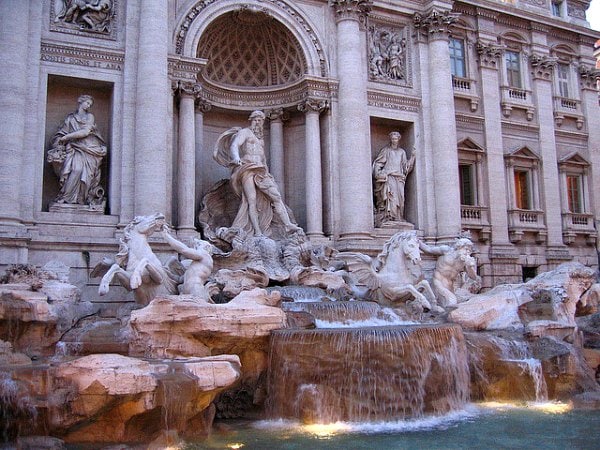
(479, 426)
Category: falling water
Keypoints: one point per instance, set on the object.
(518, 352)
(367, 374)
(175, 389)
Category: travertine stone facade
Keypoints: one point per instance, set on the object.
(500, 104)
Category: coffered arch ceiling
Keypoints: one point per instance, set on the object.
(250, 49)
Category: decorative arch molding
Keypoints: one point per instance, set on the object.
(198, 17)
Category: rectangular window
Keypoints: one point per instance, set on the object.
(574, 194)
(522, 189)
(557, 9)
(457, 58)
(513, 69)
(466, 173)
(562, 71)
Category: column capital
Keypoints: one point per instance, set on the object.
(202, 105)
(542, 66)
(434, 24)
(588, 77)
(351, 9)
(489, 53)
(185, 88)
(277, 115)
(313, 105)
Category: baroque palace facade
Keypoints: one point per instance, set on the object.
(497, 101)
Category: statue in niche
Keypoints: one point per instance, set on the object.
(452, 262)
(76, 155)
(92, 15)
(390, 169)
(387, 54)
(198, 266)
(242, 151)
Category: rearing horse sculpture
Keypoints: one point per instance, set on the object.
(396, 274)
(136, 267)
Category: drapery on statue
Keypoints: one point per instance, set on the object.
(451, 262)
(76, 156)
(242, 151)
(390, 169)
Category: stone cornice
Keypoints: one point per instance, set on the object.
(489, 53)
(82, 56)
(351, 9)
(434, 24)
(273, 97)
(391, 101)
(468, 121)
(185, 69)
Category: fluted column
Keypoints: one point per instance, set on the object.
(277, 160)
(489, 55)
(202, 106)
(356, 210)
(14, 24)
(433, 27)
(542, 88)
(186, 164)
(313, 173)
(152, 118)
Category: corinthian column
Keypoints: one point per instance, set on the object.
(313, 173)
(356, 211)
(433, 28)
(14, 23)
(152, 112)
(186, 164)
(277, 160)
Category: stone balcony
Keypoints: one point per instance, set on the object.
(521, 221)
(574, 224)
(476, 218)
(567, 107)
(512, 98)
(466, 88)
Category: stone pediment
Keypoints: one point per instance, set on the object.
(469, 145)
(523, 153)
(573, 158)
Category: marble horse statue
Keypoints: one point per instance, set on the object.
(136, 267)
(396, 274)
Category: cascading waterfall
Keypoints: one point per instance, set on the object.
(367, 374)
(518, 352)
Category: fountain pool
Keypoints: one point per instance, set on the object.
(491, 425)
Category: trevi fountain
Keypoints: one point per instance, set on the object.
(302, 224)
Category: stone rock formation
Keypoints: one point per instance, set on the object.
(114, 398)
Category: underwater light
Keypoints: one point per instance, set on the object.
(235, 445)
(326, 429)
(551, 407)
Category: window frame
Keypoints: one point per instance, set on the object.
(456, 59)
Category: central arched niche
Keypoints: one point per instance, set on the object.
(249, 49)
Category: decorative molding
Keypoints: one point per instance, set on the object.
(391, 101)
(313, 105)
(575, 10)
(288, 96)
(487, 14)
(184, 27)
(388, 50)
(538, 3)
(83, 20)
(589, 77)
(202, 105)
(542, 28)
(186, 88)
(80, 56)
(351, 9)
(467, 121)
(489, 53)
(435, 24)
(277, 114)
(185, 69)
(542, 65)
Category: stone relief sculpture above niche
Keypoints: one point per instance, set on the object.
(388, 54)
(83, 16)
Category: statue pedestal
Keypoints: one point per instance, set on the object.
(77, 208)
(391, 227)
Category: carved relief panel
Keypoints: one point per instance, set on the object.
(388, 54)
(84, 17)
